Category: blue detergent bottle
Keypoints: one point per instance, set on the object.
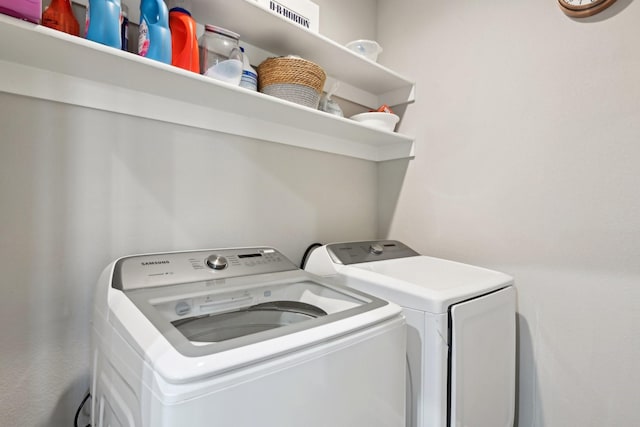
(103, 22)
(154, 40)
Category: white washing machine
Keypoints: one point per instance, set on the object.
(461, 337)
(239, 338)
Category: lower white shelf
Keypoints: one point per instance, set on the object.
(38, 62)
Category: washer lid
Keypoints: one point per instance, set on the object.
(199, 318)
(209, 346)
(424, 283)
(180, 310)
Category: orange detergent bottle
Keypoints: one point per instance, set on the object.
(184, 43)
(59, 16)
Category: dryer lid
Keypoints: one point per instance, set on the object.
(425, 283)
(368, 251)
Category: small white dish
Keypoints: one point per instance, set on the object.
(377, 120)
(370, 49)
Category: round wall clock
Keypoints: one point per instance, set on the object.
(584, 8)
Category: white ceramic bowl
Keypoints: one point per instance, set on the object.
(370, 49)
(383, 121)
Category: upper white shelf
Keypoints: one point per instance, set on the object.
(39, 62)
(362, 81)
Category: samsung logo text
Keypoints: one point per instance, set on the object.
(155, 262)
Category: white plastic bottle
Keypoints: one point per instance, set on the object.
(249, 78)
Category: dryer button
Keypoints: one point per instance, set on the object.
(376, 249)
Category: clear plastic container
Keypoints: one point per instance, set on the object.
(220, 55)
(370, 49)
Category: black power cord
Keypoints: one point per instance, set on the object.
(307, 252)
(75, 419)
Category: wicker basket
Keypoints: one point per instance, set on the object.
(293, 79)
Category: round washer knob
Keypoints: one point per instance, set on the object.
(217, 262)
(376, 249)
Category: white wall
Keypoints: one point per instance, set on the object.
(80, 188)
(85, 187)
(528, 148)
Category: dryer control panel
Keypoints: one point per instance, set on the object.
(367, 251)
(162, 269)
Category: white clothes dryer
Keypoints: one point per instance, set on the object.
(241, 338)
(461, 337)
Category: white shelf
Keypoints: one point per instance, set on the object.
(38, 62)
(362, 81)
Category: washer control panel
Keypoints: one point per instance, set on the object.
(163, 269)
(368, 251)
